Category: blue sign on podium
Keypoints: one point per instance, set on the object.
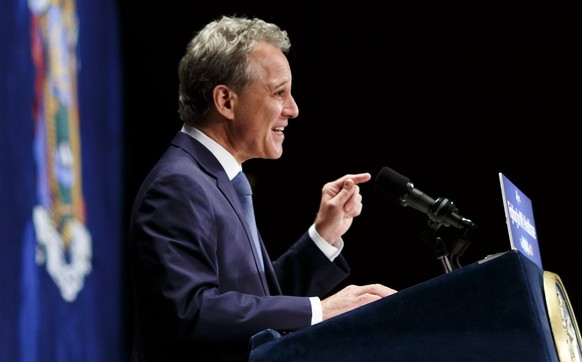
(520, 221)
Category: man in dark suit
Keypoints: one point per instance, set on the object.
(203, 282)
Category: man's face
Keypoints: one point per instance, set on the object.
(264, 107)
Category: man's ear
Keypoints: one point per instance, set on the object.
(224, 99)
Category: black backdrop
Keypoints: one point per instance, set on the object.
(448, 95)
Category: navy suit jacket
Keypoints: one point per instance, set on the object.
(198, 292)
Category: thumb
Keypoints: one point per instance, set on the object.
(346, 191)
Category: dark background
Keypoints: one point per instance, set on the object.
(448, 95)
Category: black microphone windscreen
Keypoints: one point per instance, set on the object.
(390, 185)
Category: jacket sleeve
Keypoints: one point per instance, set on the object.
(304, 270)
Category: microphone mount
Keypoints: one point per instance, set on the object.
(441, 214)
(442, 211)
(396, 188)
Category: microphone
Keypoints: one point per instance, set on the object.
(393, 187)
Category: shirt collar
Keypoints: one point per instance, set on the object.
(228, 162)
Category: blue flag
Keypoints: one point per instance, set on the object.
(61, 215)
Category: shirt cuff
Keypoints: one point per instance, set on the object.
(330, 250)
(316, 310)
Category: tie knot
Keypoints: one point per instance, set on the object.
(242, 185)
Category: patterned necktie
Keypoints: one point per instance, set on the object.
(245, 194)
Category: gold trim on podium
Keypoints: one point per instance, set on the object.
(562, 319)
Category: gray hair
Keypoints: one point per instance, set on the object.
(219, 54)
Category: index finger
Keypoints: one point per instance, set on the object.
(357, 178)
(379, 289)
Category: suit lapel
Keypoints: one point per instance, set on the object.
(210, 165)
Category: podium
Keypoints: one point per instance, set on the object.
(491, 310)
